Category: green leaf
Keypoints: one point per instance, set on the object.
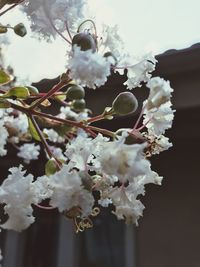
(33, 131)
(4, 77)
(50, 167)
(4, 104)
(17, 92)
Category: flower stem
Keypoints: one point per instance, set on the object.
(43, 140)
(55, 89)
(9, 8)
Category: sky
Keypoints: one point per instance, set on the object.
(145, 26)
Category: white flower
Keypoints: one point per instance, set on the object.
(105, 202)
(57, 152)
(126, 205)
(111, 40)
(160, 92)
(79, 152)
(17, 195)
(83, 152)
(44, 13)
(19, 123)
(162, 143)
(42, 188)
(123, 161)
(68, 192)
(66, 113)
(53, 136)
(3, 139)
(29, 152)
(157, 120)
(158, 144)
(88, 68)
(140, 72)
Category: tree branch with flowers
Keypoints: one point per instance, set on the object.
(80, 157)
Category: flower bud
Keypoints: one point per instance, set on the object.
(79, 105)
(85, 41)
(20, 29)
(3, 29)
(75, 92)
(125, 103)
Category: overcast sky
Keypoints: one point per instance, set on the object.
(145, 25)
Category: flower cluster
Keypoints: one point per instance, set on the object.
(80, 157)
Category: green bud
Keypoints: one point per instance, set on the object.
(50, 167)
(125, 103)
(3, 29)
(20, 29)
(33, 131)
(85, 41)
(75, 92)
(79, 105)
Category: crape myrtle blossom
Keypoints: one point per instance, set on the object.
(139, 72)
(84, 152)
(68, 191)
(158, 120)
(160, 92)
(44, 14)
(125, 198)
(158, 113)
(89, 68)
(86, 166)
(29, 152)
(18, 192)
(123, 161)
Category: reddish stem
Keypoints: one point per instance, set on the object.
(9, 8)
(96, 118)
(43, 140)
(55, 89)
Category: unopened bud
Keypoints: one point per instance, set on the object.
(20, 30)
(85, 41)
(79, 105)
(125, 103)
(3, 29)
(75, 92)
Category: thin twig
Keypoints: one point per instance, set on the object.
(9, 8)
(43, 140)
(51, 92)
